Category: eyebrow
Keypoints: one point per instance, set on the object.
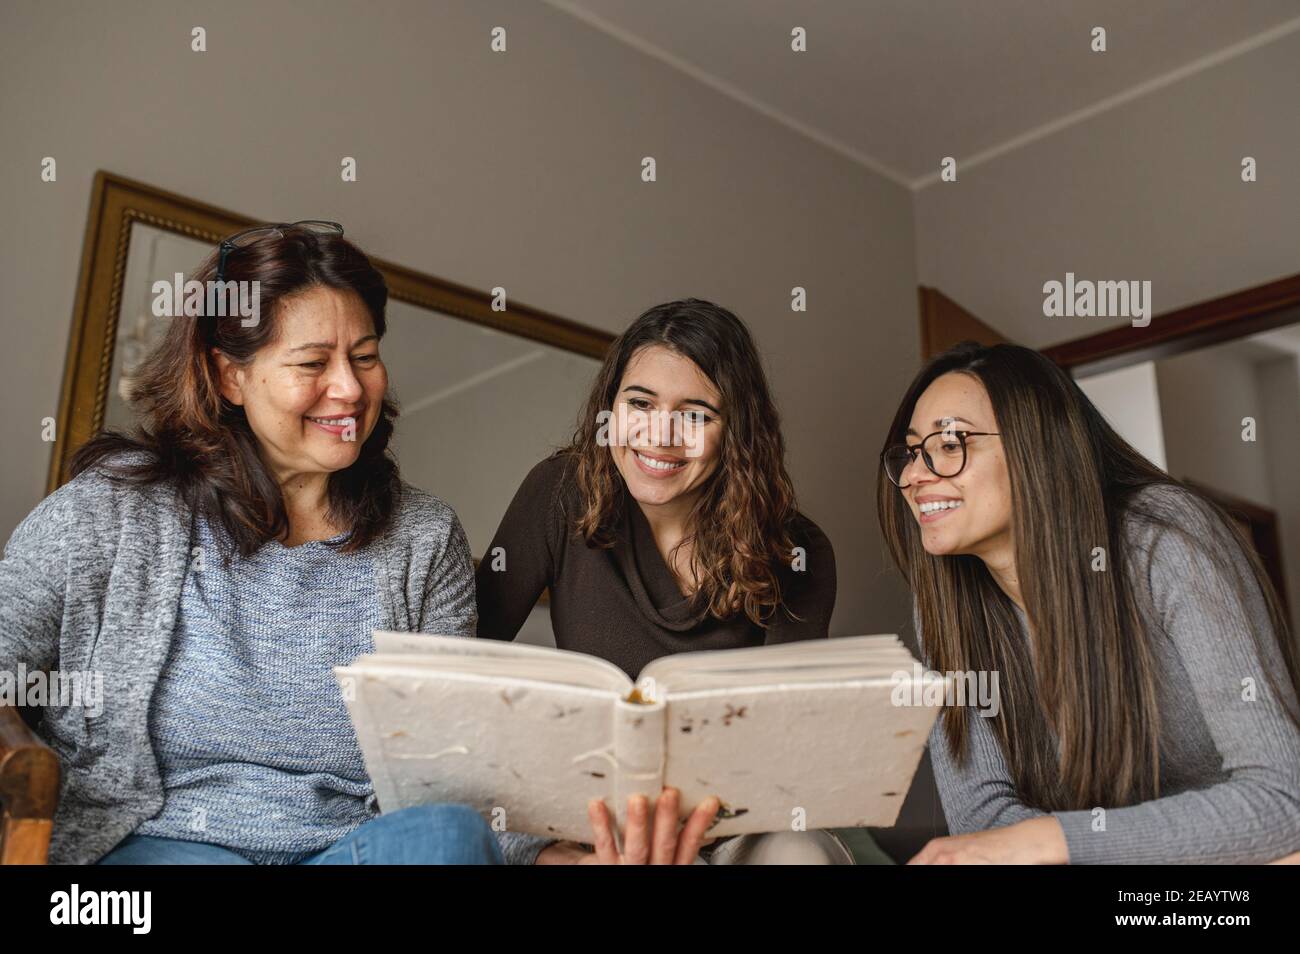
(315, 345)
(699, 401)
(943, 424)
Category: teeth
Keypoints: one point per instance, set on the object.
(657, 464)
(935, 506)
(335, 421)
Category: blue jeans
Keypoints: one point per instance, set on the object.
(420, 835)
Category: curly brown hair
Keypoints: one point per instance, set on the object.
(740, 526)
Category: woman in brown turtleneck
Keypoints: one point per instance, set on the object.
(668, 525)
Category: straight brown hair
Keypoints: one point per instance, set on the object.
(1092, 676)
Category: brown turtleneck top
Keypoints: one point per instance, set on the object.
(623, 603)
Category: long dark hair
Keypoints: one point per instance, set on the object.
(740, 525)
(191, 436)
(1092, 675)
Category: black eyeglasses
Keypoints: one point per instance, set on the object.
(945, 457)
(249, 236)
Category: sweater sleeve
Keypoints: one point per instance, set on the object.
(33, 577)
(520, 562)
(1253, 814)
(448, 606)
(977, 792)
(520, 849)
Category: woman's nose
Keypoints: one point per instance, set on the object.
(916, 472)
(342, 382)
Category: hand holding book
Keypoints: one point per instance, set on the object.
(649, 839)
(791, 737)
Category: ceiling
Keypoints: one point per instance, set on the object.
(897, 85)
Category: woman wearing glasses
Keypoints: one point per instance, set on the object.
(668, 525)
(1148, 684)
(212, 568)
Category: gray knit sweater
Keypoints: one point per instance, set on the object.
(91, 581)
(1229, 762)
(252, 736)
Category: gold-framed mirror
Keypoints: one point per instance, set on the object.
(457, 367)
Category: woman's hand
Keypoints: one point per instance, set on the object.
(1035, 841)
(647, 841)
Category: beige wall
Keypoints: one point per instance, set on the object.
(519, 170)
(1279, 392)
(1148, 190)
(1204, 395)
(1129, 400)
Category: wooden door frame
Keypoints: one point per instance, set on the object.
(1236, 315)
(944, 323)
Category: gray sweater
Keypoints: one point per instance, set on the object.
(1229, 765)
(91, 582)
(273, 770)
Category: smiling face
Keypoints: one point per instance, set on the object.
(971, 512)
(667, 465)
(315, 392)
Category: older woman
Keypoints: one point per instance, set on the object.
(216, 565)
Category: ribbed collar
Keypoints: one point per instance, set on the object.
(652, 584)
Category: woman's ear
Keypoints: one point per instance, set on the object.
(230, 378)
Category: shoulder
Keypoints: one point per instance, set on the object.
(549, 491)
(1182, 551)
(93, 502)
(421, 515)
(816, 583)
(1168, 522)
(1157, 504)
(808, 535)
(424, 533)
(547, 479)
